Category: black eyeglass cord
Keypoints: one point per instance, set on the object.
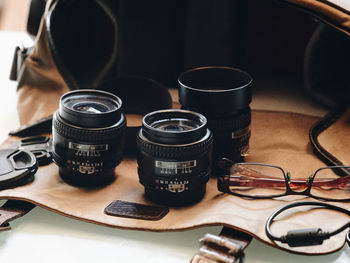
(306, 237)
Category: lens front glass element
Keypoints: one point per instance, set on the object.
(90, 104)
(257, 180)
(90, 107)
(174, 125)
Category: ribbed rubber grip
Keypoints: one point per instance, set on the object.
(87, 134)
(170, 152)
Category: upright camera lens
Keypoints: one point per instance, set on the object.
(88, 131)
(223, 95)
(174, 156)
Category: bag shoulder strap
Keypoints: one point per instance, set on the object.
(336, 13)
(322, 125)
(227, 247)
(11, 210)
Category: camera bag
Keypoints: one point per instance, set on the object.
(56, 64)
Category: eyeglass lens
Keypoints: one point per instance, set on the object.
(329, 186)
(254, 180)
(260, 180)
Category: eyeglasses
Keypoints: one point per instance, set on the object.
(258, 180)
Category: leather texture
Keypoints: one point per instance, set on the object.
(277, 138)
(134, 210)
(11, 210)
(333, 12)
(227, 247)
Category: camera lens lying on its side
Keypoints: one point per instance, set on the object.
(223, 95)
(88, 137)
(174, 156)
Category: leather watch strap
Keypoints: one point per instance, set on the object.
(11, 210)
(225, 248)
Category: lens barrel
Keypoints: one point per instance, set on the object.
(223, 95)
(174, 156)
(88, 137)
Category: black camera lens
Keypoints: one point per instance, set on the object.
(88, 137)
(174, 156)
(223, 95)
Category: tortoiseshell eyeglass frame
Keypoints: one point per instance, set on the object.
(288, 183)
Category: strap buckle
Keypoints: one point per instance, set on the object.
(218, 249)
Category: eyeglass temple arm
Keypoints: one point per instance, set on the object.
(342, 182)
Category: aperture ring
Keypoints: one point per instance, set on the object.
(108, 163)
(193, 181)
(171, 152)
(72, 132)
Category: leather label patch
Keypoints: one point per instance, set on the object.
(137, 211)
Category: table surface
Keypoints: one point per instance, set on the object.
(44, 236)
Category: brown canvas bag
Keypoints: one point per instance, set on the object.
(278, 138)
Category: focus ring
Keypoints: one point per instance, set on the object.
(174, 152)
(87, 134)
